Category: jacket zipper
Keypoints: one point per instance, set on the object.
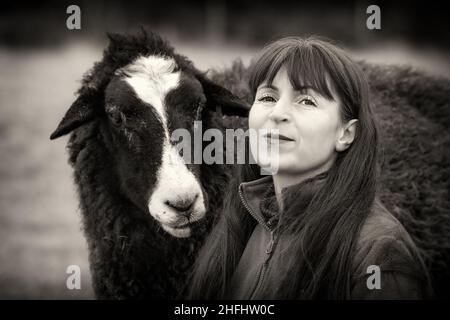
(251, 212)
(262, 273)
(269, 248)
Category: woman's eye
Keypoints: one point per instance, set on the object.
(266, 99)
(308, 102)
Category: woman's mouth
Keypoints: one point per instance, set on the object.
(277, 137)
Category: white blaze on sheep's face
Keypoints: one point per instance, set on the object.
(177, 197)
(151, 79)
(176, 185)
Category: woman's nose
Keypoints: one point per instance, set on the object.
(279, 112)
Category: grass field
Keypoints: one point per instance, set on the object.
(40, 224)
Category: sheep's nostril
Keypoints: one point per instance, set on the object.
(183, 207)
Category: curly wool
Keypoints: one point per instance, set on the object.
(130, 255)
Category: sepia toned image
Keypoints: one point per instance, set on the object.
(224, 150)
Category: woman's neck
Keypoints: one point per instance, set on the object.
(284, 180)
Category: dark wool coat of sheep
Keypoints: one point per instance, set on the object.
(131, 256)
(122, 157)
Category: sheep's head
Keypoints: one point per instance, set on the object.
(139, 104)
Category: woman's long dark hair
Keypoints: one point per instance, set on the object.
(318, 259)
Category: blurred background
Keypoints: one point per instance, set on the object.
(41, 63)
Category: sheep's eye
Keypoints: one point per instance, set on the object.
(116, 118)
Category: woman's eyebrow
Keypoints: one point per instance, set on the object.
(268, 86)
(300, 90)
(304, 89)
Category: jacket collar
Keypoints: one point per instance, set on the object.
(256, 195)
(251, 194)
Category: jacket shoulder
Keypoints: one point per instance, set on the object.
(381, 225)
(384, 242)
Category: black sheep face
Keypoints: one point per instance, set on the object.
(144, 102)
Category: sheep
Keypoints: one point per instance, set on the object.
(133, 254)
(139, 200)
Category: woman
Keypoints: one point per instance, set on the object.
(314, 229)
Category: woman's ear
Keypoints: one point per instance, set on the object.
(347, 135)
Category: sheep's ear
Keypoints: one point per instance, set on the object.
(219, 97)
(116, 38)
(78, 114)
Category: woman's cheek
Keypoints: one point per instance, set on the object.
(315, 139)
(255, 117)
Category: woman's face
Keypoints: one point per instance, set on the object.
(309, 125)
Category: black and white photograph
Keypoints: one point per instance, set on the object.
(247, 152)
